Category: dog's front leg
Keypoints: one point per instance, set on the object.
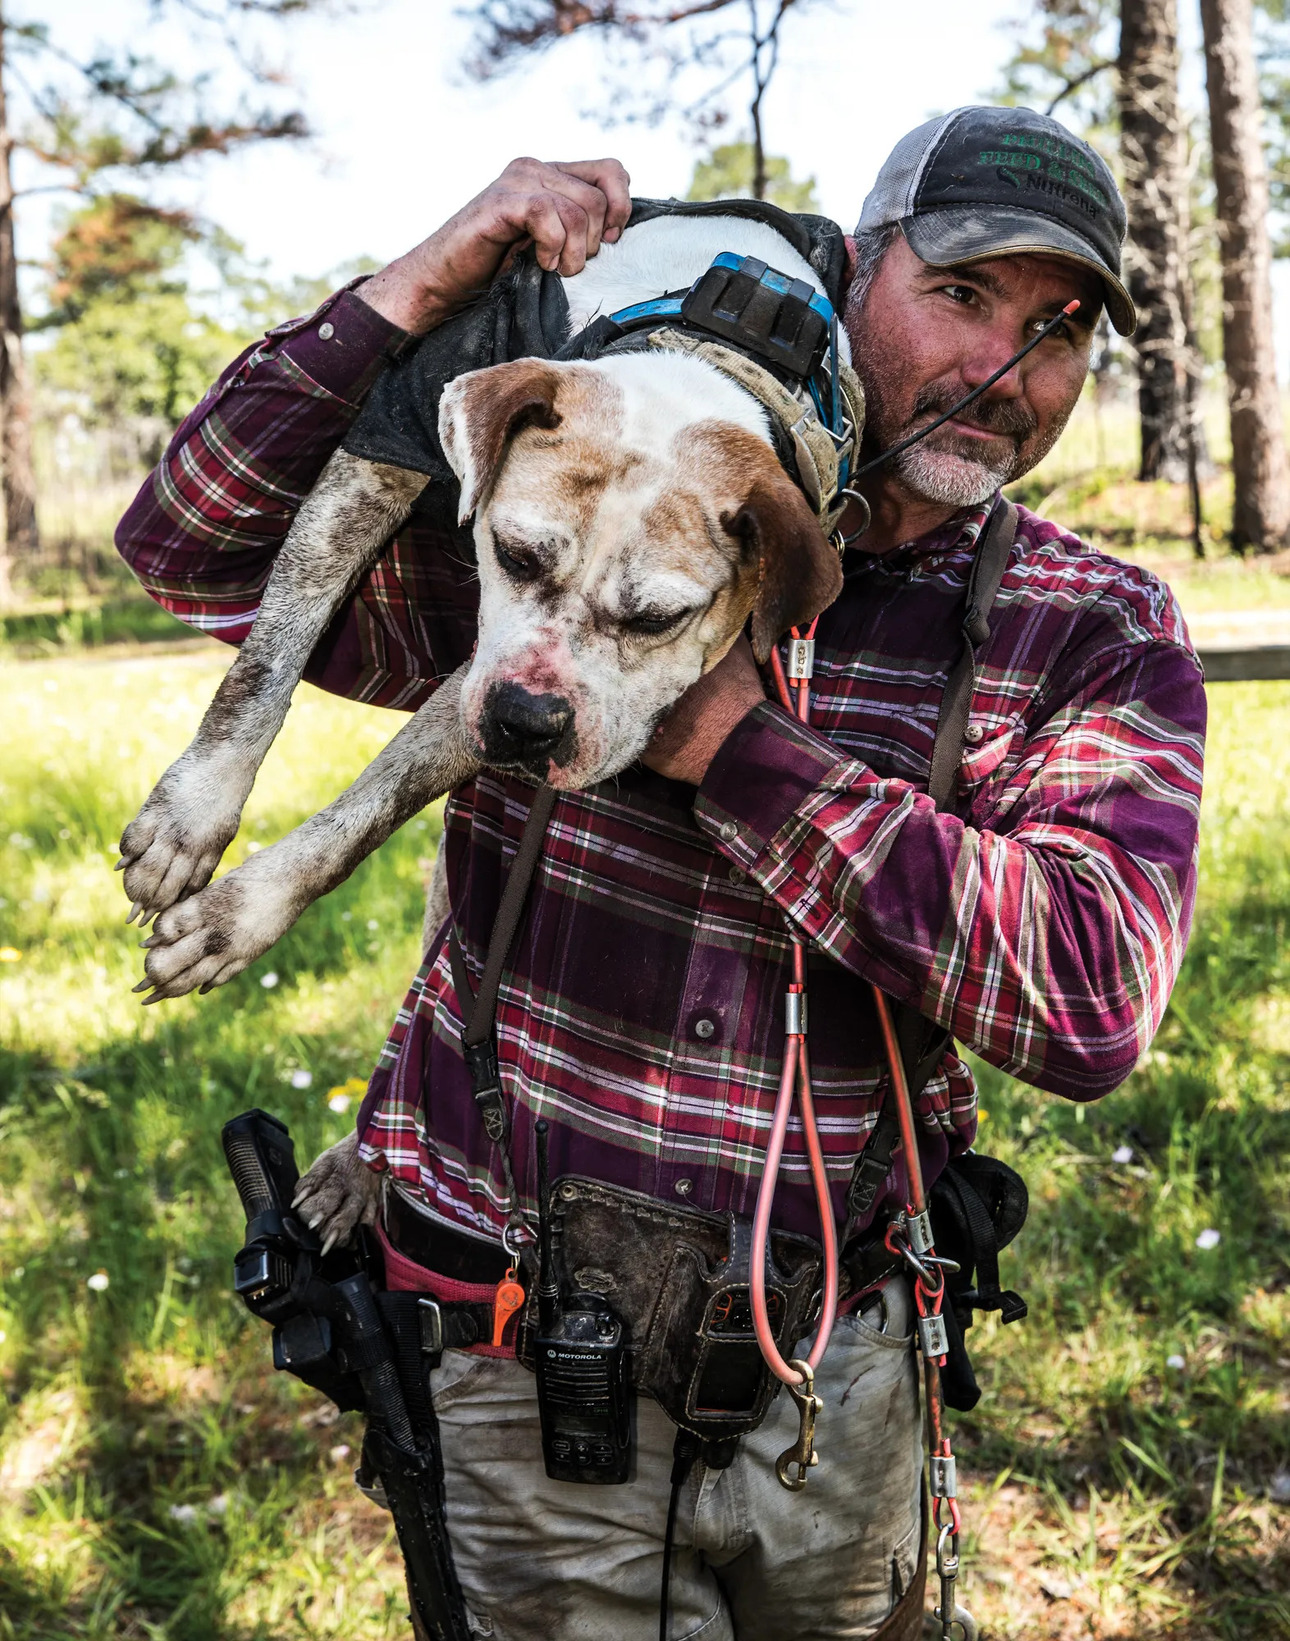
(175, 842)
(338, 1194)
(213, 935)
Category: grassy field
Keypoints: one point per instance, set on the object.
(1129, 1466)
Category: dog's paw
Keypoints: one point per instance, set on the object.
(175, 842)
(213, 935)
(338, 1194)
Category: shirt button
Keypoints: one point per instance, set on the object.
(974, 734)
(683, 1187)
(737, 874)
(704, 1029)
(326, 330)
(729, 831)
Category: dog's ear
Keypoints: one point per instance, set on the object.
(482, 411)
(798, 572)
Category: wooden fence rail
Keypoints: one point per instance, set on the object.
(1231, 664)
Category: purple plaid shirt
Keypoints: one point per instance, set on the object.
(1042, 922)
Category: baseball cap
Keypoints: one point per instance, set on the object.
(986, 182)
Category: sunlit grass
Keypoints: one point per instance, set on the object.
(158, 1481)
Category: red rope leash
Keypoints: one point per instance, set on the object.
(795, 1079)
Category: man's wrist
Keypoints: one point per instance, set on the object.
(403, 294)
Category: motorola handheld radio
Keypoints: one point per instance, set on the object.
(581, 1356)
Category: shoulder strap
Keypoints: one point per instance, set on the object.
(956, 704)
(923, 1044)
(479, 1012)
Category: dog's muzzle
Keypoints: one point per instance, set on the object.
(520, 730)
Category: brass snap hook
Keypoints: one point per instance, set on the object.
(795, 1461)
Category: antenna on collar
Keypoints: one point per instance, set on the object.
(969, 398)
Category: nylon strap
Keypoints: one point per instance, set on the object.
(956, 704)
(483, 1015)
(922, 1044)
(479, 1012)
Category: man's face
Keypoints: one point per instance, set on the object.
(923, 337)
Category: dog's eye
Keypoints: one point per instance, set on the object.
(517, 562)
(650, 622)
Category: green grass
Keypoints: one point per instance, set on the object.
(133, 1408)
(158, 1481)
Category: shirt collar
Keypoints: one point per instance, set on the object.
(958, 534)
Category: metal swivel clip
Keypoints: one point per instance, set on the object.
(956, 1623)
(793, 1463)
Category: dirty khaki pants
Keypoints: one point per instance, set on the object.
(542, 1560)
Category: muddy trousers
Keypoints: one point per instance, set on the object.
(542, 1560)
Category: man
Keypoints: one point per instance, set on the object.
(1041, 920)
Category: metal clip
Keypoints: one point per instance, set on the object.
(932, 1337)
(795, 1014)
(801, 660)
(918, 1227)
(944, 1476)
(957, 1623)
(793, 1463)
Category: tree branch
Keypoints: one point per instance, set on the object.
(1073, 85)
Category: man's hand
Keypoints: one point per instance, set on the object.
(686, 742)
(565, 210)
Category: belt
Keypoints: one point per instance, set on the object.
(866, 1262)
(440, 1247)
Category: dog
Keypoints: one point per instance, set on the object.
(631, 517)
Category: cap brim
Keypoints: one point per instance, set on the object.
(970, 233)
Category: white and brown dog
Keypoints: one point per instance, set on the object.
(630, 514)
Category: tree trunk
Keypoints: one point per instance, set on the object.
(17, 481)
(1153, 154)
(1261, 504)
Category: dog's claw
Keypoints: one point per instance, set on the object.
(330, 1242)
(135, 909)
(122, 863)
(157, 997)
(144, 985)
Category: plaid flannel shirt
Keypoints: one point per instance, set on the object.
(1042, 921)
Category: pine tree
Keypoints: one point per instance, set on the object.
(1261, 503)
(96, 122)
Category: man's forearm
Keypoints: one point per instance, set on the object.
(1051, 949)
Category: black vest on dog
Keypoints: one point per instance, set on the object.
(525, 315)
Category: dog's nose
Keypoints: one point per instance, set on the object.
(522, 728)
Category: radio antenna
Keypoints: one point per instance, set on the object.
(967, 399)
(548, 1287)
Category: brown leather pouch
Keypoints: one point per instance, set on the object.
(678, 1279)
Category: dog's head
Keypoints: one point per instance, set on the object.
(630, 515)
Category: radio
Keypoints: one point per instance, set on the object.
(583, 1368)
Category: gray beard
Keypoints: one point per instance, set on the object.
(948, 479)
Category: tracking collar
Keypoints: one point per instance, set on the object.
(777, 338)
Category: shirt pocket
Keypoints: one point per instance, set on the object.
(986, 766)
